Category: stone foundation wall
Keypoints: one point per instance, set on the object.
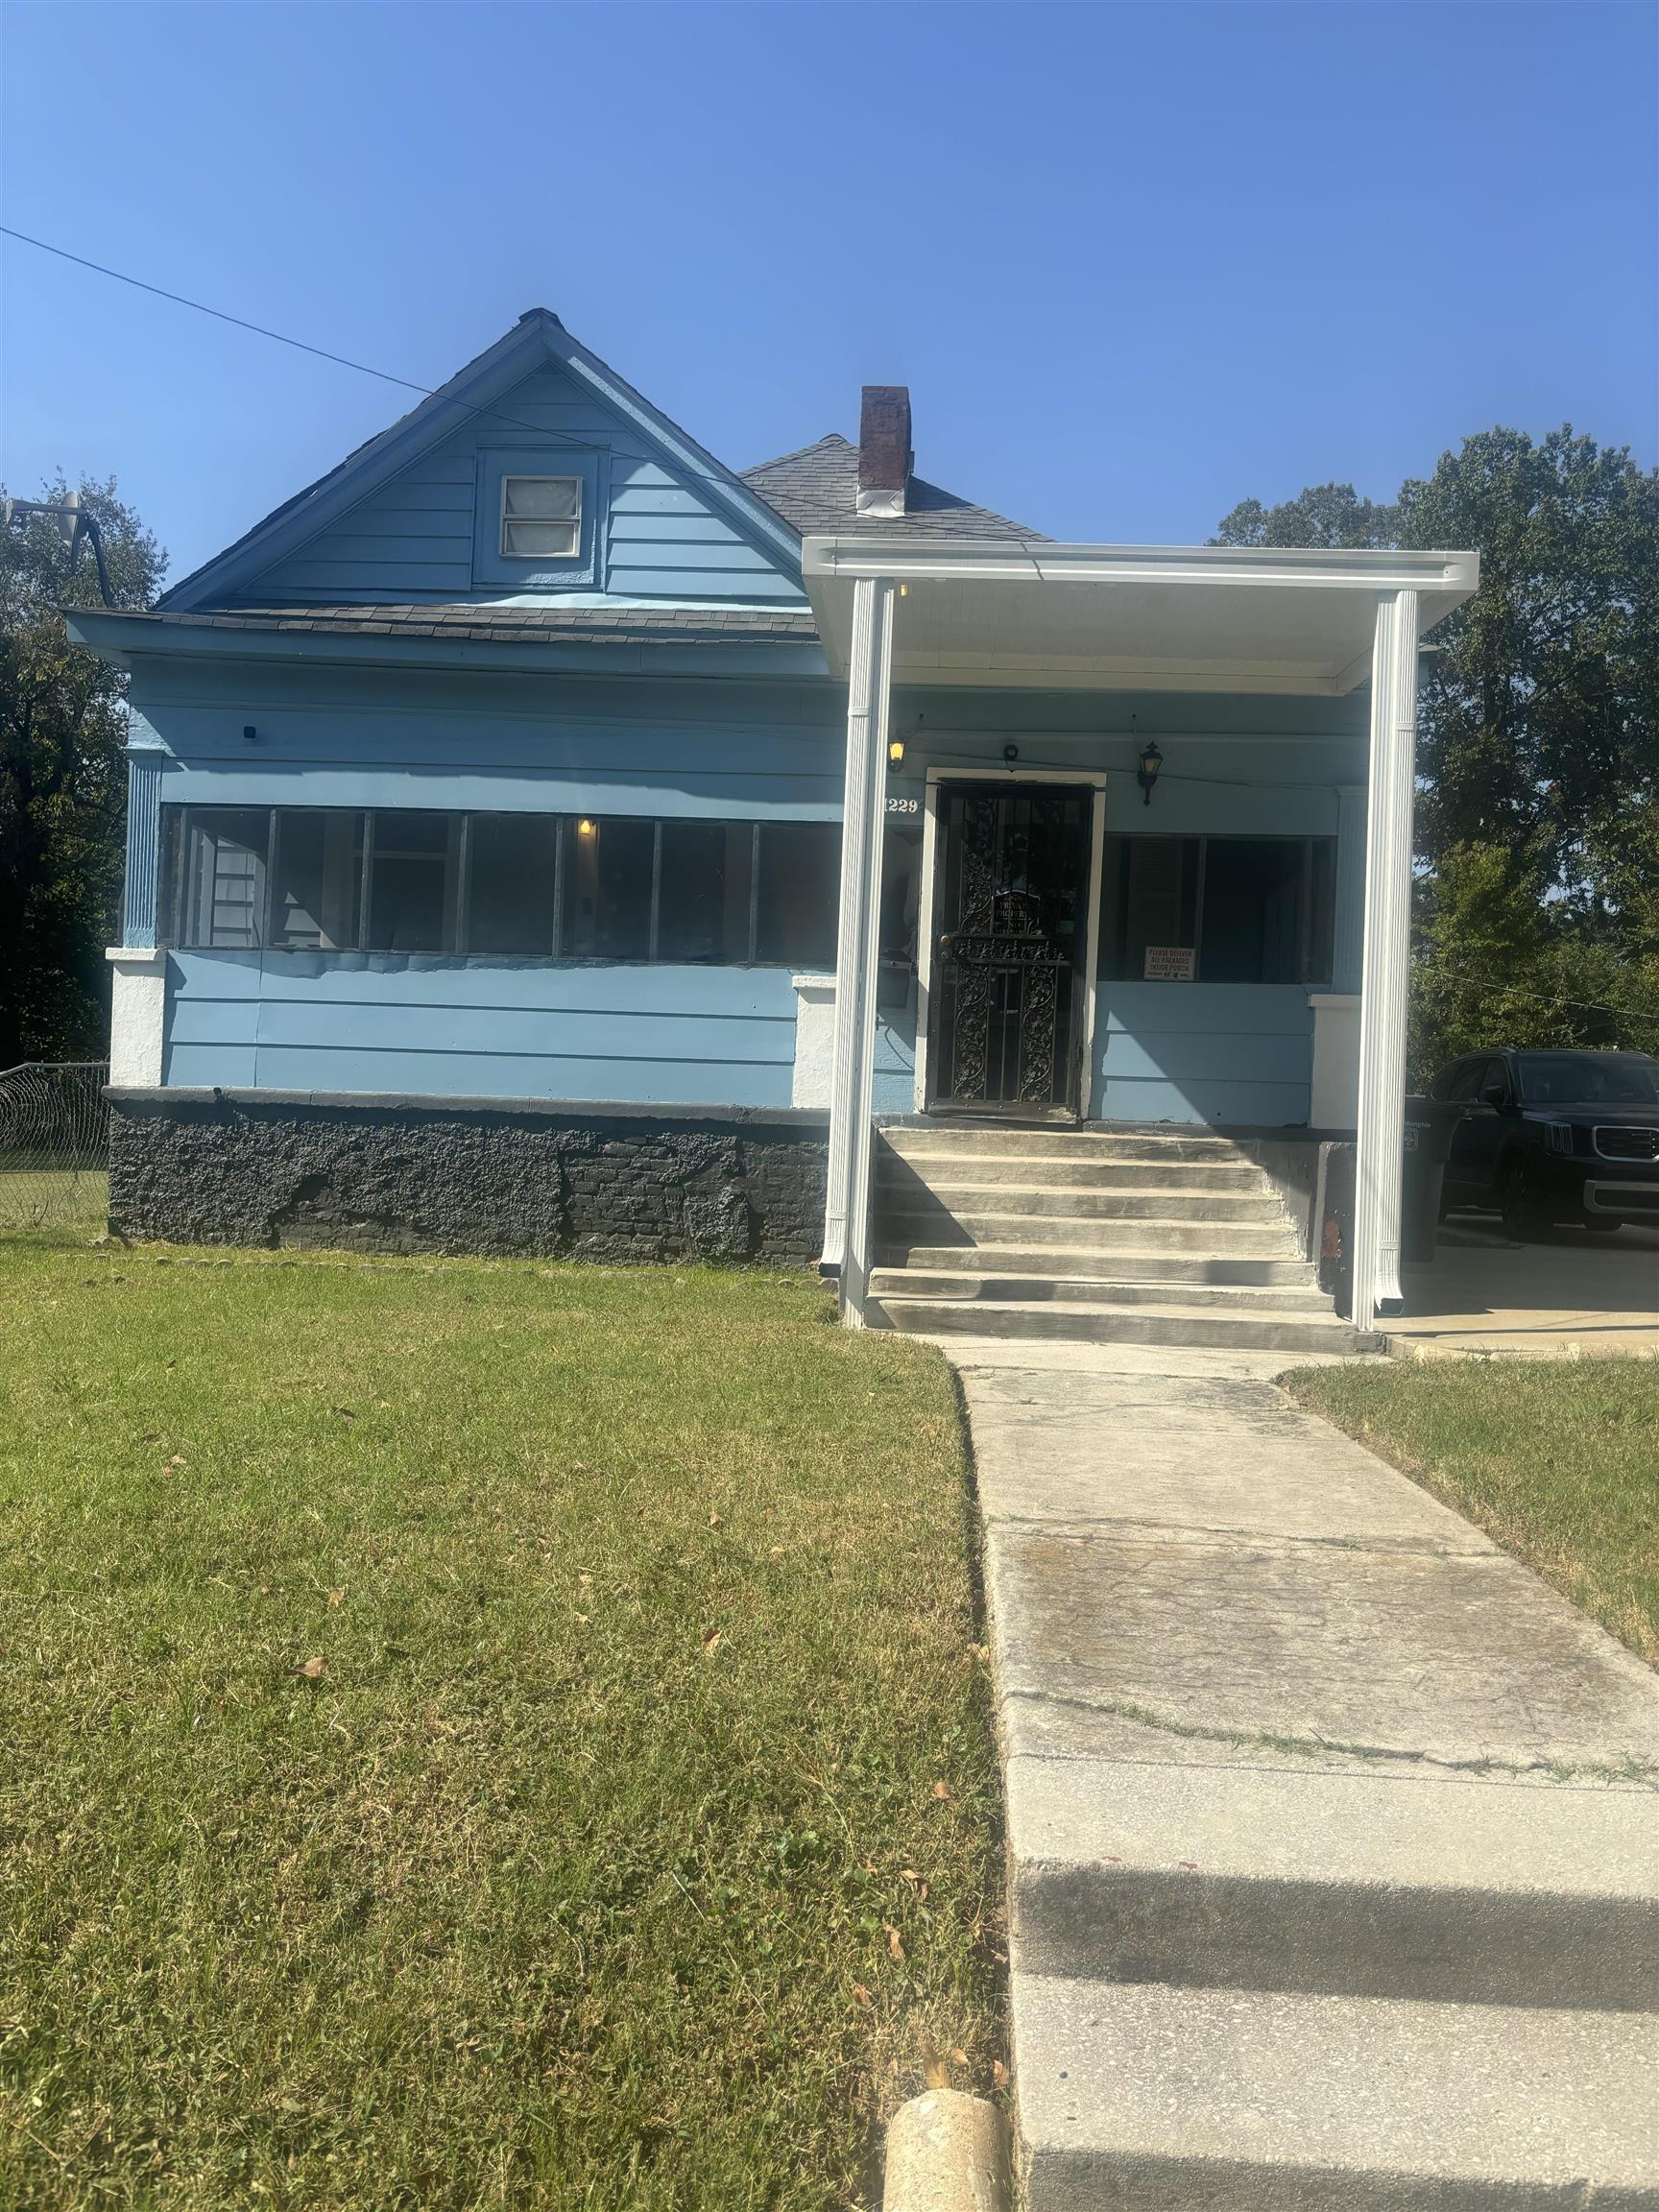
(620, 1183)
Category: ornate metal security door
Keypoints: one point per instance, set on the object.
(1009, 916)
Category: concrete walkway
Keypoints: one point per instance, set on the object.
(1333, 1835)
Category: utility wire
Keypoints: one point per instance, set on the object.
(218, 313)
(282, 338)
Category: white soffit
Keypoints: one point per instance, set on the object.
(1153, 617)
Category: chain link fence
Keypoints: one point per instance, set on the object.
(53, 1146)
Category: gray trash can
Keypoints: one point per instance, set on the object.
(1430, 1124)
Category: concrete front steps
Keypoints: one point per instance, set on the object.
(1089, 1237)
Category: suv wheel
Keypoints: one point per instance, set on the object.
(1522, 1218)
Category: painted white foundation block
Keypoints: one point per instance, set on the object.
(1334, 1103)
(814, 1040)
(137, 1015)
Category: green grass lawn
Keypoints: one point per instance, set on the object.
(477, 1735)
(1559, 1460)
(57, 1201)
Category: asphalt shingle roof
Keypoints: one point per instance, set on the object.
(817, 490)
(591, 625)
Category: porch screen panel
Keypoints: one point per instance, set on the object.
(223, 866)
(413, 881)
(1149, 897)
(610, 868)
(316, 879)
(510, 905)
(797, 893)
(703, 891)
(1249, 910)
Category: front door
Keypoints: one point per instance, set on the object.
(1010, 915)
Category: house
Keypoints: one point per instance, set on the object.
(543, 837)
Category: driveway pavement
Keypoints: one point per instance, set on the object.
(1579, 1293)
(1333, 1835)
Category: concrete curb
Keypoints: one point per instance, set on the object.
(946, 2152)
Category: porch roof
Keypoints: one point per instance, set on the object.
(1015, 614)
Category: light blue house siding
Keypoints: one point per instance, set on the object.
(765, 748)
(428, 534)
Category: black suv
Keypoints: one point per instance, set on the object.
(1547, 1136)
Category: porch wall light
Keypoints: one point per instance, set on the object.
(895, 754)
(1146, 774)
(584, 828)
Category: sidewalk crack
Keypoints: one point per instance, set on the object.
(1629, 1769)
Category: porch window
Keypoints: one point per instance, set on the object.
(221, 862)
(413, 881)
(512, 886)
(511, 900)
(1246, 909)
(316, 879)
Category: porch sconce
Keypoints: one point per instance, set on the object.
(895, 756)
(1010, 754)
(584, 828)
(1146, 774)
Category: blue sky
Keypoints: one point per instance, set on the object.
(1135, 261)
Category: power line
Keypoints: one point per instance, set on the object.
(282, 338)
(218, 313)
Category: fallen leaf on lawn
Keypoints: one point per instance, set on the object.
(713, 1520)
(344, 1413)
(309, 1667)
(959, 2057)
(585, 1580)
(935, 2070)
(177, 1460)
(336, 1596)
(941, 1791)
(862, 1994)
(998, 2074)
(710, 1639)
(909, 1874)
(582, 1619)
(981, 1652)
(895, 1945)
(774, 1551)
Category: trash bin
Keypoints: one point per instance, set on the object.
(1430, 1123)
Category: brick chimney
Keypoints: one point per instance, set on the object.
(884, 455)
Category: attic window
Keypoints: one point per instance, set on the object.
(540, 517)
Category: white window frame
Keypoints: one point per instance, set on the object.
(523, 476)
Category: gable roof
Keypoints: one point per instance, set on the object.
(817, 490)
(538, 336)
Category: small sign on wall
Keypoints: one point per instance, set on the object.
(1170, 963)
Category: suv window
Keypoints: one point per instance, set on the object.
(1468, 1080)
(1587, 1079)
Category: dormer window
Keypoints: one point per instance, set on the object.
(540, 517)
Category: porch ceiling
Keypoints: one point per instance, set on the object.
(1121, 618)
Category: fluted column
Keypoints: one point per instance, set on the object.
(1387, 950)
(846, 1242)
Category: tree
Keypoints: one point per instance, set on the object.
(62, 779)
(1540, 706)
(1538, 745)
(1327, 515)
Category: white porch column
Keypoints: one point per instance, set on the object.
(1384, 984)
(846, 1215)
